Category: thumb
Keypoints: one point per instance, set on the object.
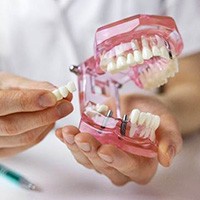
(169, 141)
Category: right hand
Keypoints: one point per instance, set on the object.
(28, 111)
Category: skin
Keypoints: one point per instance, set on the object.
(179, 110)
(28, 112)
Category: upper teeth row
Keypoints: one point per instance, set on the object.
(121, 62)
(63, 91)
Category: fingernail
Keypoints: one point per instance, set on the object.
(84, 146)
(68, 138)
(171, 153)
(106, 158)
(47, 100)
(64, 108)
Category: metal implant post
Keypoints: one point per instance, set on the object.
(105, 121)
(74, 69)
(123, 125)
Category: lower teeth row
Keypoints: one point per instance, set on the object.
(147, 122)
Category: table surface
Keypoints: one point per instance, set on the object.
(51, 166)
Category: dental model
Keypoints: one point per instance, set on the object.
(142, 49)
(63, 91)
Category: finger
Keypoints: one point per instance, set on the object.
(21, 122)
(138, 169)
(13, 101)
(89, 146)
(5, 152)
(22, 139)
(66, 135)
(170, 141)
(9, 81)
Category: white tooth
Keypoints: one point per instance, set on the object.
(146, 53)
(134, 116)
(156, 122)
(134, 45)
(148, 119)
(112, 68)
(132, 130)
(172, 68)
(130, 59)
(138, 56)
(121, 63)
(101, 108)
(156, 51)
(147, 133)
(175, 65)
(103, 64)
(152, 136)
(143, 133)
(142, 118)
(164, 52)
(71, 86)
(90, 112)
(63, 91)
(57, 94)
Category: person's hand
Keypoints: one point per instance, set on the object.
(28, 111)
(121, 167)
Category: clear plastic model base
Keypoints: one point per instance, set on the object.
(142, 49)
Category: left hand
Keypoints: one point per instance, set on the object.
(119, 166)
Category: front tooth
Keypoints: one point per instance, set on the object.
(134, 116)
(111, 67)
(146, 53)
(130, 59)
(121, 63)
(101, 108)
(103, 64)
(57, 94)
(175, 65)
(71, 86)
(156, 51)
(138, 56)
(164, 52)
(142, 118)
(148, 119)
(63, 91)
(134, 45)
(156, 122)
(152, 136)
